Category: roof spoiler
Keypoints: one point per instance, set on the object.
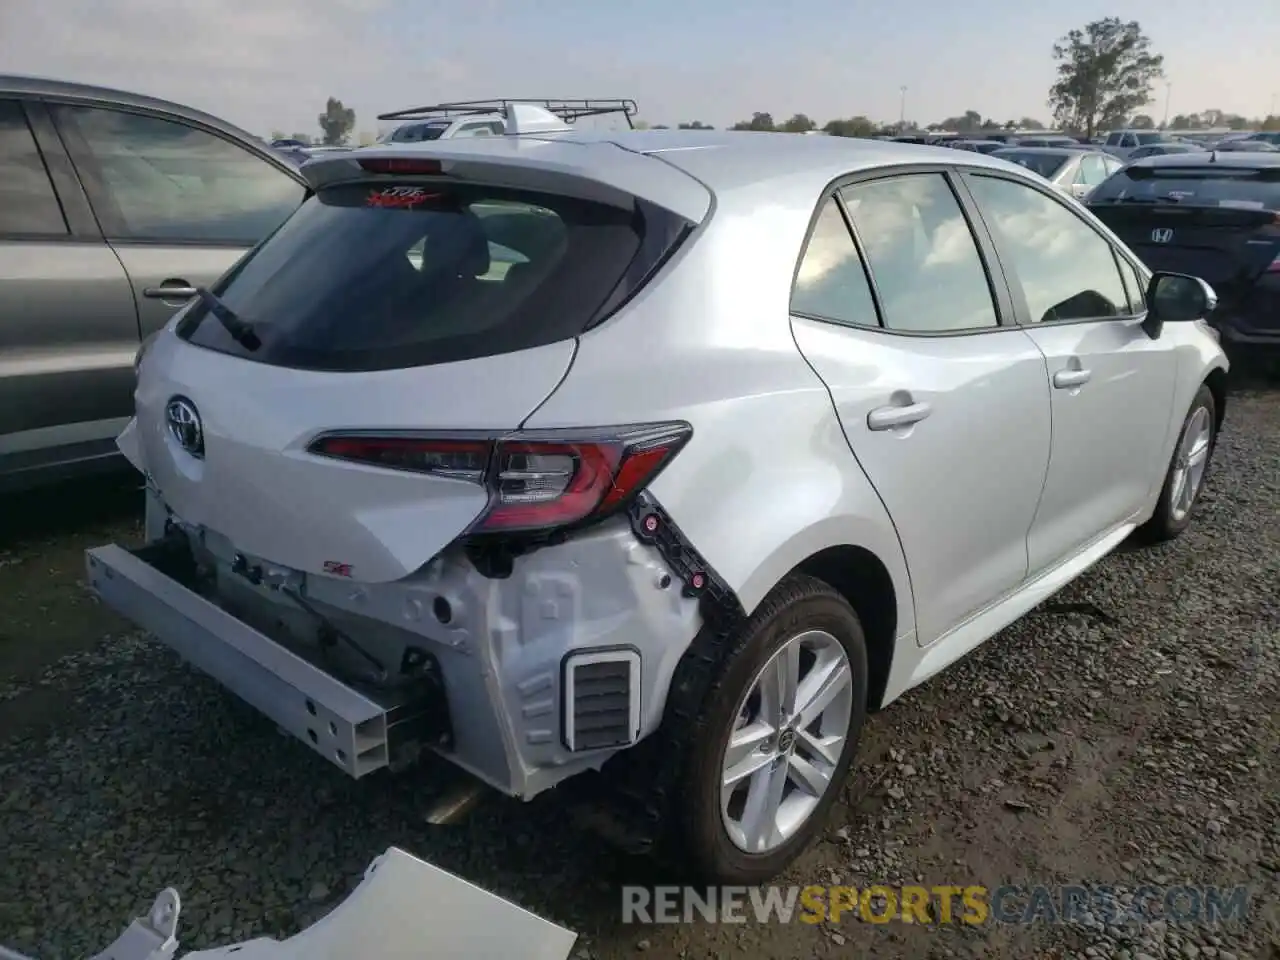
(568, 111)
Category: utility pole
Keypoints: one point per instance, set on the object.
(902, 109)
(1168, 92)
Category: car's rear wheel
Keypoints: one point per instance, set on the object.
(776, 735)
(1187, 470)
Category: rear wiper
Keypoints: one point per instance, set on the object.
(241, 331)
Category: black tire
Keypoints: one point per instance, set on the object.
(797, 604)
(1164, 525)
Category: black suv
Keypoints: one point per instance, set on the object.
(1215, 216)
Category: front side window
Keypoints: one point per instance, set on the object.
(1134, 285)
(831, 283)
(28, 205)
(922, 255)
(163, 180)
(1066, 268)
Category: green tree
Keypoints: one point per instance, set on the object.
(277, 135)
(336, 123)
(1105, 72)
(967, 122)
(301, 138)
(858, 126)
(1272, 122)
(1142, 121)
(1028, 123)
(694, 125)
(799, 123)
(758, 121)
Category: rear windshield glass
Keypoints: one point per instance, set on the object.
(417, 132)
(1146, 138)
(1247, 189)
(1045, 164)
(374, 276)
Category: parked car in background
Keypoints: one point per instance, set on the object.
(1052, 140)
(978, 146)
(1266, 136)
(114, 209)
(445, 128)
(1214, 216)
(574, 571)
(1073, 170)
(1165, 149)
(1242, 145)
(1120, 143)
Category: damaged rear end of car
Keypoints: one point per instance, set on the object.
(347, 524)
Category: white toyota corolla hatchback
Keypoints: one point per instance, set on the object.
(665, 454)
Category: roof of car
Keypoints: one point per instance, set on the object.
(1181, 161)
(722, 159)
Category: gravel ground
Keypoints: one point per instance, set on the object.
(1125, 734)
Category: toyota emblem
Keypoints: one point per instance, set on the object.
(184, 425)
(1161, 235)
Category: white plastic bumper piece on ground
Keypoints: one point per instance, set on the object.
(403, 909)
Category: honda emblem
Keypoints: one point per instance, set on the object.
(1161, 235)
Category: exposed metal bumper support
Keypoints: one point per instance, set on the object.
(351, 729)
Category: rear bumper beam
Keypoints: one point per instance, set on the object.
(358, 731)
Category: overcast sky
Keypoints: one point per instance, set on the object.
(270, 64)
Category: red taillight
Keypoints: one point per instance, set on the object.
(411, 166)
(459, 459)
(535, 481)
(1275, 266)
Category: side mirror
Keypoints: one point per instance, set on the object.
(1177, 298)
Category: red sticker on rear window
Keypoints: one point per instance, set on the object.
(399, 197)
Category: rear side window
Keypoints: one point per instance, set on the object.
(377, 276)
(1218, 186)
(157, 179)
(28, 205)
(831, 283)
(924, 260)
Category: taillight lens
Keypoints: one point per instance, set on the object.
(1275, 266)
(535, 481)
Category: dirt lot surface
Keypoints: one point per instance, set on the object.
(1125, 734)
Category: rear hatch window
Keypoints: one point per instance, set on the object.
(1203, 185)
(395, 274)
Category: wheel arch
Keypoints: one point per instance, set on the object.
(863, 561)
(1216, 381)
(861, 578)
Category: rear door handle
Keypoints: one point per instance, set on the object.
(888, 418)
(170, 290)
(1065, 379)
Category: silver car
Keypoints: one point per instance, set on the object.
(662, 454)
(1074, 171)
(114, 208)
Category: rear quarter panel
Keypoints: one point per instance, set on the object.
(767, 479)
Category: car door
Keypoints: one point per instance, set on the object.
(68, 325)
(1111, 382)
(943, 403)
(179, 204)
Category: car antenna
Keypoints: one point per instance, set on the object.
(1213, 155)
